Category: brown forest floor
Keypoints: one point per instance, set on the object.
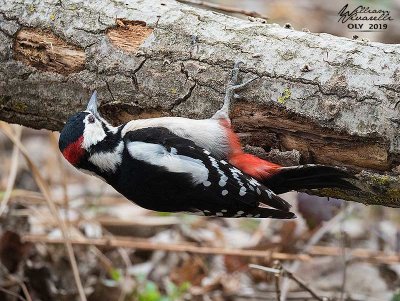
(123, 252)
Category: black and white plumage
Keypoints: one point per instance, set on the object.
(161, 171)
(171, 173)
(180, 164)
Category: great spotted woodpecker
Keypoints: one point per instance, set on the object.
(178, 164)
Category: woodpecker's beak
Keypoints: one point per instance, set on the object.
(92, 105)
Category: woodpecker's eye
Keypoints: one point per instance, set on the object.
(91, 119)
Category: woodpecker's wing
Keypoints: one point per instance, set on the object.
(211, 186)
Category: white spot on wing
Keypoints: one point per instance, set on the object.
(235, 174)
(206, 183)
(254, 182)
(269, 192)
(235, 170)
(238, 214)
(242, 191)
(223, 177)
(224, 192)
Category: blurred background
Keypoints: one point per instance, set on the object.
(336, 250)
(320, 16)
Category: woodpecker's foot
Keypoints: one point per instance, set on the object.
(235, 74)
(230, 94)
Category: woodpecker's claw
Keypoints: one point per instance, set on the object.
(92, 105)
(234, 82)
(242, 85)
(230, 94)
(235, 73)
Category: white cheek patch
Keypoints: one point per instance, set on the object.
(93, 133)
(108, 161)
(157, 155)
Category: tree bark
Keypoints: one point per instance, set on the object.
(319, 98)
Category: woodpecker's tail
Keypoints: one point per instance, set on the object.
(310, 176)
(283, 179)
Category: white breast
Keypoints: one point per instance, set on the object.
(206, 133)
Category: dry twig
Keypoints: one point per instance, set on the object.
(281, 271)
(344, 260)
(171, 247)
(54, 143)
(134, 243)
(22, 286)
(46, 193)
(311, 242)
(278, 266)
(357, 253)
(13, 171)
(11, 293)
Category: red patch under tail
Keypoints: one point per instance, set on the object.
(252, 165)
(283, 179)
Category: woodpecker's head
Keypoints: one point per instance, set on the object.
(82, 131)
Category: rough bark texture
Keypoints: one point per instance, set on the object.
(319, 98)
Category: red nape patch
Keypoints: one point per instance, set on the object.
(254, 166)
(74, 152)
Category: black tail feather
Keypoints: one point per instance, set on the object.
(308, 177)
(276, 202)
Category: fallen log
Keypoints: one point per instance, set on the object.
(326, 99)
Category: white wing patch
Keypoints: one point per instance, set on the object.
(108, 161)
(158, 155)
